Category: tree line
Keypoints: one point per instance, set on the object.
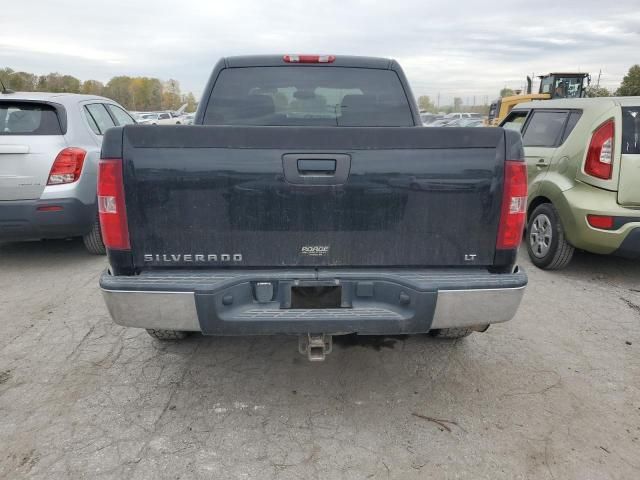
(134, 93)
(629, 87)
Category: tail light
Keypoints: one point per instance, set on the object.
(49, 208)
(514, 205)
(309, 58)
(113, 215)
(67, 166)
(599, 161)
(603, 222)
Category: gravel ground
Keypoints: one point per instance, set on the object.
(555, 393)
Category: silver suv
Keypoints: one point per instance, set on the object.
(49, 151)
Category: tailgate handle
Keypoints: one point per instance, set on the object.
(313, 166)
(8, 148)
(316, 168)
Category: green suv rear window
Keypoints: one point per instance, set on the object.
(631, 130)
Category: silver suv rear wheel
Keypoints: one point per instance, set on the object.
(93, 240)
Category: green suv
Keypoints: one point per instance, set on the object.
(583, 162)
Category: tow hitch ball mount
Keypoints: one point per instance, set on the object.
(315, 345)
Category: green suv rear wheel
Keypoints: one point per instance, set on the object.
(547, 246)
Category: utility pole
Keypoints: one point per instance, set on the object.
(533, 79)
(438, 101)
(598, 84)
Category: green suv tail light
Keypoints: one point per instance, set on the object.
(599, 161)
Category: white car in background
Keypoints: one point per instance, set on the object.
(461, 115)
(172, 118)
(169, 118)
(450, 119)
(147, 118)
(162, 118)
(188, 118)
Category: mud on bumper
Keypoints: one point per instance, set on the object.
(393, 301)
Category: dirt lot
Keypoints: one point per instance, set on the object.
(553, 394)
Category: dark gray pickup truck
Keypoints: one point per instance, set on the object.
(308, 199)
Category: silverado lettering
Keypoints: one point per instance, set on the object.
(189, 257)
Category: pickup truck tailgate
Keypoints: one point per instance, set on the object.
(312, 196)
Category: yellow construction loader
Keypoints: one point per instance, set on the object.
(553, 85)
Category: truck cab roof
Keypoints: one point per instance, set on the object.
(278, 61)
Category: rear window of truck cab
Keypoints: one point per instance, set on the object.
(308, 96)
(26, 118)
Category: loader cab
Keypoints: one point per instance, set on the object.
(564, 85)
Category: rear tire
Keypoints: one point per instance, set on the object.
(451, 333)
(93, 240)
(167, 335)
(547, 246)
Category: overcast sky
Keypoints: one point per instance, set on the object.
(460, 48)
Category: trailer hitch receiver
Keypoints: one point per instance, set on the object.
(315, 345)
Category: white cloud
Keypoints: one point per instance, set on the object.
(60, 48)
(464, 48)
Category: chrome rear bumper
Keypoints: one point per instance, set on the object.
(468, 308)
(228, 307)
(157, 310)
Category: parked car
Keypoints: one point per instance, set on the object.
(188, 118)
(440, 123)
(466, 122)
(147, 118)
(49, 151)
(428, 118)
(461, 115)
(168, 118)
(583, 160)
(341, 218)
(454, 116)
(160, 118)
